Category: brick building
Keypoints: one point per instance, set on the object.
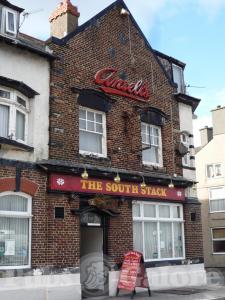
(120, 172)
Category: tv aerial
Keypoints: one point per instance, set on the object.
(194, 86)
(26, 14)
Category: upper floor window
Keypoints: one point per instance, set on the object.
(8, 21)
(92, 130)
(14, 108)
(178, 78)
(186, 142)
(217, 199)
(15, 230)
(214, 171)
(151, 144)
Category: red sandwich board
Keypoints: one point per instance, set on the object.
(133, 273)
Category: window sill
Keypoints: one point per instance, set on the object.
(93, 156)
(152, 167)
(15, 268)
(14, 145)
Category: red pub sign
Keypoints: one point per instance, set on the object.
(110, 83)
(69, 183)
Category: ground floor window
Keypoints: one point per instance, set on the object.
(15, 228)
(218, 240)
(158, 230)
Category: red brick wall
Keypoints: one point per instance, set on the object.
(63, 234)
(120, 235)
(39, 211)
(193, 231)
(81, 58)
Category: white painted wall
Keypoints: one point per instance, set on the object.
(41, 287)
(167, 277)
(213, 152)
(33, 70)
(186, 124)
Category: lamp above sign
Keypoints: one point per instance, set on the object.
(110, 83)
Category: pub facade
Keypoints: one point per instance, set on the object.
(120, 171)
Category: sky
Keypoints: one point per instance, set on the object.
(189, 30)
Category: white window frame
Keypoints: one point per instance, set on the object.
(27, 215)
(212, 239)
(214, 165)
(104, 135)
(7, 11)
(159, 220)
(209, 197)
(180, 89)
(148, 163)
(13, 107)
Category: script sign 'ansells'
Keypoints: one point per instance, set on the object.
(133, 273)
(69, 183)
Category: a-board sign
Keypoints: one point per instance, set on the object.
(133, 273)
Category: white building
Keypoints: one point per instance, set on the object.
(210, 162)
(24, 90)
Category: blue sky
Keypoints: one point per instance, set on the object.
(189, 30)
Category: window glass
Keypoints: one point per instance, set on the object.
(166, 240)
(214, 170)
(0, 18)
(90, 142)
(14, 239)
(218, 170)
(176, 212)
(138, 234)
(219, 233)
(158, 239)
(178, 78)
(20, 126)
(21, 101)
(151, 241)
(219, 246)
(151, 143)
(4, 94)
(13, 203)
(136, 210)
(11, 22)
(149, 211)
(4, 120)
(178, 242)
(217, 199)
(164, 211)
(14, 231)
(13, 115)
(92, 134)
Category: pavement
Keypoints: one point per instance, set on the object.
(208, 292)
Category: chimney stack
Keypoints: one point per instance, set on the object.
(206, 135)
(64, 19)
(218, 120)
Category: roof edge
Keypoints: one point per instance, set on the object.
(79, 29)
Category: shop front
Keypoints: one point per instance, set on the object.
(140, 215)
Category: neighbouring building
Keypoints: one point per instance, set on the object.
(117, 167)
(24, 137)
(210, 162)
